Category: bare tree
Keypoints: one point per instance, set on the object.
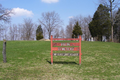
(111, 4)
(24, 31)
(15, 32)
(78, 19)
(117, 26)
(44, 33)
(85, 25)
(27, 29)
(51, 21)
(11, 32)
(62, 33)
(5, 14)
(4, 18)
(57, 33)
(21, 31)
(72, 22)
(83, 22)
(69, 30)
(1, 32)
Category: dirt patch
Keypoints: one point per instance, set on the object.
(44, 40)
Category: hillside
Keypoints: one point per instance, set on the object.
(30, 60)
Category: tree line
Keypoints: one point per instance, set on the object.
(50, 23)
(25, 31)
(105, 22)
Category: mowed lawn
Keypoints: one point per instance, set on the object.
(30, 60)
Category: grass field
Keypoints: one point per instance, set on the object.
(30, 60)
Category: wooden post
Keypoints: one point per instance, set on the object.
(4, 51)
(51, 49)
(79, 50)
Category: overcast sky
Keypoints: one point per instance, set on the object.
(34, 8)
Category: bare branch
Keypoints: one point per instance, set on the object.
(28, 28)
(5, 14)
(51, 21)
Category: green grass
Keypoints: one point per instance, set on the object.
(30, 60)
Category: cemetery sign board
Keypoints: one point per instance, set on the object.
(73, 47)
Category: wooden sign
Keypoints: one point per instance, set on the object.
(65, 54)
(65, 48)
(65, 44)
(67, 39)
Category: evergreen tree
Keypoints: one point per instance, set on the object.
(92, 25)
(39, 33)
(100, 24)
(39, 29)
(39, 36)
(76, 31)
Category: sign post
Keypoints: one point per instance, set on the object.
(51, 49)
(66, 48)
(80, 50)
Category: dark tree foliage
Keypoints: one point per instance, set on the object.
(93, 23)
(39, 33)
(76, 31)
(39, 29)
(39, 36)
(100, 24)
(112, 5)
(117, 25)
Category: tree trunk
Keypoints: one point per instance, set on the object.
(49, 34)
(119, 36)
(4, 51)
(111, 21)
(112, 33)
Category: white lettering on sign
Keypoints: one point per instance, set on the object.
(65, 44)
(63, 49)
(65, 54)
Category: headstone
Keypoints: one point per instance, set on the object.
(92, 39)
